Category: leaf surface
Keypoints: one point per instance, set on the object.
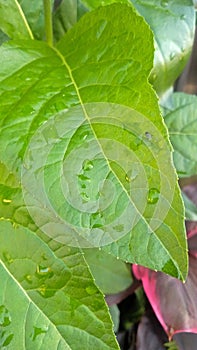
(12, 17)
(51, 288)
(181, 121)
(82, 124)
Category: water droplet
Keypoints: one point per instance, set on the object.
(42, 271)
(84, 196)
(96, 220)
(28, 278)
(117, 258)
(183, 16)
(153, 196)
(182, 49)
(5, 318)
(99, 248)
(46, 292)
(8, 258)
(164, 3)
(91, 290)
(84, 136)
(6, 201)
(172, 56)
(82, 177)
(148, 135)
(38, 331)
(87, 165)
(127, 178)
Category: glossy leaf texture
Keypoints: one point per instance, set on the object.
(84, 123)
(173, 301)
(181, 120)
(111, 275)
(13, 21)
(173, 24)
(50, 287)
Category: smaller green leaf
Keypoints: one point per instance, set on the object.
(111, 275)
(181, 121)
(115, 315)
(190, 208)
(64, 17)
(13, 21)
(173, 25)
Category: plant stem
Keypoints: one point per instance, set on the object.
(48, 22)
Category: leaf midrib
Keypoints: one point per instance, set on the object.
(89, 122)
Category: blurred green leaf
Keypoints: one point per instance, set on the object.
(181, 120)
(111, 275)
(173, 25)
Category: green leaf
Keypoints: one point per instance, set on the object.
(51, 289)
(82, 124)
(115, 315)
(34, 12)
(64, 17)
(13, 21)
(173, 24)
(181, 120)
(111, 275)
(190, 208)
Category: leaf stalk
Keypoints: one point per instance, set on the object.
(48, 22)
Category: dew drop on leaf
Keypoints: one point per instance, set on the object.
(84, 196)
(91, 290)
(28, 278)
(43, 271)
(8, 258)
(6, 201)
(153, 195)
(38, 330)
(5, 318)
(127, 178)
(87, 165)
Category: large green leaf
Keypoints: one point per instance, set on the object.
(47, 297)
(84, 123)
(181, 120)
(173, 24)
(13, 21)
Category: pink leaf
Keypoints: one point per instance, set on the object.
(174, 303)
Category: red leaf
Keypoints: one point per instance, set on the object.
(174, 303)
